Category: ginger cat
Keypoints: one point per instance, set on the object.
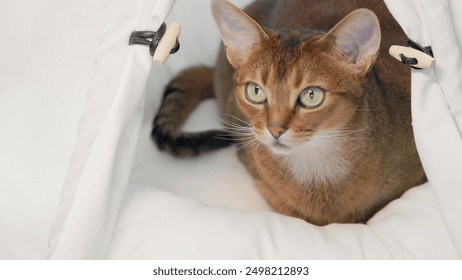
(319, 110)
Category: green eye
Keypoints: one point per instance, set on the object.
(312, 97)
(254, 93)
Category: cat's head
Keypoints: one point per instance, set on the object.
(294, 86)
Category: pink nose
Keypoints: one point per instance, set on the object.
(277, 131)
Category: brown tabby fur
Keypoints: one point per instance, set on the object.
(370, 157)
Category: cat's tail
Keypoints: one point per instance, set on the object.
(181, 96)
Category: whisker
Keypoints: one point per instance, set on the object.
(344, 131)
(242, 129)
(330, 135)
(248, 144)
(238, 119)
(348, 139)
(341, 137)
(241, 139)
(222, 138)
(249, 137)
(231, 125)
(239, 133)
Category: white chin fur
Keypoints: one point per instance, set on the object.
(317, 160)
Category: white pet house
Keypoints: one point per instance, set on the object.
(81, 179)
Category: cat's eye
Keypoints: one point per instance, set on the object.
(312, 97)
(254, 93)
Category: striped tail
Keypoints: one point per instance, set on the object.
(181, 97)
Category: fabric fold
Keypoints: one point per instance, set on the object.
(437, 101)
(101, 162)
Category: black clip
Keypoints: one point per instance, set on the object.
(151, 39)
(412, 60)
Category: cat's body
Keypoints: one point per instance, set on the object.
(326, 136)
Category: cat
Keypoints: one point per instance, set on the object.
(319, 111)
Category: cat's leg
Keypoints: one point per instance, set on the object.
(181, 96)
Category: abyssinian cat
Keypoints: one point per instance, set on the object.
(319, 110)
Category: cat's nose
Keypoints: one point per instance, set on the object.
(277, 131)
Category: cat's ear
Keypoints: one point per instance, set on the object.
(356, 38)
(240, 33)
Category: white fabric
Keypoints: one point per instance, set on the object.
(121, 198)
(46, 63)
(100, 166)
(156, 224)
(437, 101)
(60, 60)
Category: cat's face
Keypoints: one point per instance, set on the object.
(301, 96)
(295, 88)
